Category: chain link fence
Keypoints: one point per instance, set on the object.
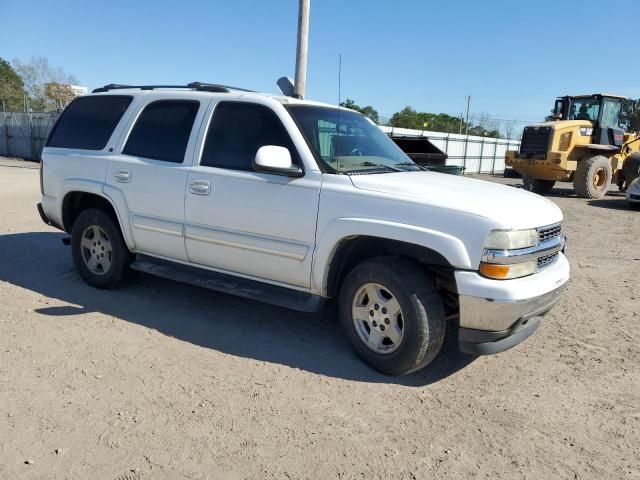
(23, 134)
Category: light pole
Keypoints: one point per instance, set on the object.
(300, 84)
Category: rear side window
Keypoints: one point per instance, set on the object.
(162, 130)
(236, 133)
(88, 122)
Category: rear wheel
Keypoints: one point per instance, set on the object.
(592, 177)
(99, 252)
(536, 185)
(392, 314)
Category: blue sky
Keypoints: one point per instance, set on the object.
(513, 57)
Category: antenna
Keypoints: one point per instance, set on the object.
(339, 94)
(339, 76)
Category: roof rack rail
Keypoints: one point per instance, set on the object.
(203, 87)
(214, 87)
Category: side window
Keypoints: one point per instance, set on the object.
(88, 122)
(162, 130)
(236, 133)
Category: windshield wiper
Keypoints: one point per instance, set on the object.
(369, 163)
(413, 164)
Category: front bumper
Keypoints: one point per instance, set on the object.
(550, 168)
(528, 314)
(496, 315)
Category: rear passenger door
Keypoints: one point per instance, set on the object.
(150, 169)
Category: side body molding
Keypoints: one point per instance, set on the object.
(339, 229)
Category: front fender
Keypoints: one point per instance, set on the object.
(450, 247)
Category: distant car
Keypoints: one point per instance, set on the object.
(633, 194)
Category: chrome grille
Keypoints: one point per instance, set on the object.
(547, 233)
(547, 260)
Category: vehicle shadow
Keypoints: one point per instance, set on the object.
(38, 261)
(619, 203)
(568, 191)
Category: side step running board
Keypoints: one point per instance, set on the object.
(241, 287)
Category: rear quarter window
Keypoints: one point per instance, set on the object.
(88, 122)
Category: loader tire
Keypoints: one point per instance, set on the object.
(592, 177)
(537, 186)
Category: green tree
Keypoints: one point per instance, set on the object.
(367, 111)
(408, 117)
(11, 88)
(630, 117)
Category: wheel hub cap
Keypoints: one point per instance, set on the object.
(96, 250)
(599, 178)
(377, 318)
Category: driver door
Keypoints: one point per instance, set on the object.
(244, 222)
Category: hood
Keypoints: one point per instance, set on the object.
(509, 207)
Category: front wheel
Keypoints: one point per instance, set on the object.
(392, 314)
(99, 252)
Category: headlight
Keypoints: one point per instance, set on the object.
(511, 239)
(499, 241)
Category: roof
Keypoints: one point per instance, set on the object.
(202, 89)
(610, 95)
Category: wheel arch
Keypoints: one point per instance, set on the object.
(352, 250)
(77, 200)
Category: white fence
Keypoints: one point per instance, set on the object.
(476, 154)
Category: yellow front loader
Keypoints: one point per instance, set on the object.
(583, 143)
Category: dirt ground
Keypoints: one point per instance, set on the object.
(163, 380)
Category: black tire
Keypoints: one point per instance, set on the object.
(537, 186)
(120, 258)
(422, 313)
(592, 177)
(511, 173)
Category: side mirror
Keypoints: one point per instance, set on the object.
(275, 160)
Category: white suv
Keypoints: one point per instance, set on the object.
(293, 202)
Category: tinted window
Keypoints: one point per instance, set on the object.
(162, 130)
(236, 133)
(88, 122)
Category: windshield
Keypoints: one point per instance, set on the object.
(347, 142)
(585, 108)
(611, 113)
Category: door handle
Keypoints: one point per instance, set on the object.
(123, 176)
(200, 187)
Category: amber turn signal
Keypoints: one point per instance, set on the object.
(492, 270)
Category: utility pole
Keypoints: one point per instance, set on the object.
(466, 130)
(300, 84)
(460, 130)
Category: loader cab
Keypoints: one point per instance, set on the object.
(603, 111)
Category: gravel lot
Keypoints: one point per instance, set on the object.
(163, 380)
